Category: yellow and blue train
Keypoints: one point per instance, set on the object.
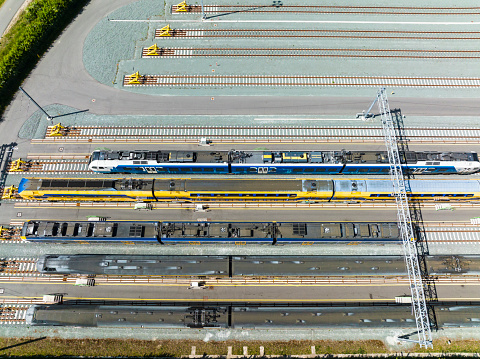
(241, 190)
(280, 162)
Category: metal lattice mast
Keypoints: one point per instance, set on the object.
(420, 309)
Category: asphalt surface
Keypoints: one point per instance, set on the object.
(60, 77)
(7, 12)
(61, 71)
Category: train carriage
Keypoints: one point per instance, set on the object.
(246, 190)
(279, 162)
(196, 233)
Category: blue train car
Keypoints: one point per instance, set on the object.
(197, 233)
(87, 232)
(279, 162)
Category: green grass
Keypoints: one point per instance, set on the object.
(21, 48)
(176, 348)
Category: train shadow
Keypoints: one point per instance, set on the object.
(428, 281)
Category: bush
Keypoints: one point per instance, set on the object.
(41, 22)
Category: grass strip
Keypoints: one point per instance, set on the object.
(50, 347)
(20, 49)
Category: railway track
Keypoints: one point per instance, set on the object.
(18, 266)
(263, 134)
(300, 81)
(189, 52)
(318, 33)
(52, 167)
(13, 313)
(278, 7)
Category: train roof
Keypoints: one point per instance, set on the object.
(416, 186)
(86, 229)
(242, 185)
(45, 184)
(141, 157)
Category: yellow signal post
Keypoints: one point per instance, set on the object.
(182, 6)
(57, 130)
(152, 50)
(134, 78)
(16, 165)
(9, 192)
(165, 31)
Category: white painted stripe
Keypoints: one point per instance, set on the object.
(306, 119)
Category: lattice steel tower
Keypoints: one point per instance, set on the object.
(419, 305)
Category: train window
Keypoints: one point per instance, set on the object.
(208, 169)
(363, 169)
(252, 170)
(321, 169)
(196, 169)
(297, 170)
(307, 170)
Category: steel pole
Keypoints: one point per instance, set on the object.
(50, 118)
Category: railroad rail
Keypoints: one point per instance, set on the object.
(13, 313)
(189, 52)
(18, 266)
(260, 134)
(234, 205)
(193, 33)
(267, 281)
(57, 166)
(300, 81)
(326, 9)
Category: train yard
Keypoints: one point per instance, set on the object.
(252, 223)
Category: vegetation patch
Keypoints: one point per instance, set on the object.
(21, 48)
(50, 347)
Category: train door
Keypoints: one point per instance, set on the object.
(262, 170)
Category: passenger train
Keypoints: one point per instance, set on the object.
(194, 233)
(242, 190)
(279, 162)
